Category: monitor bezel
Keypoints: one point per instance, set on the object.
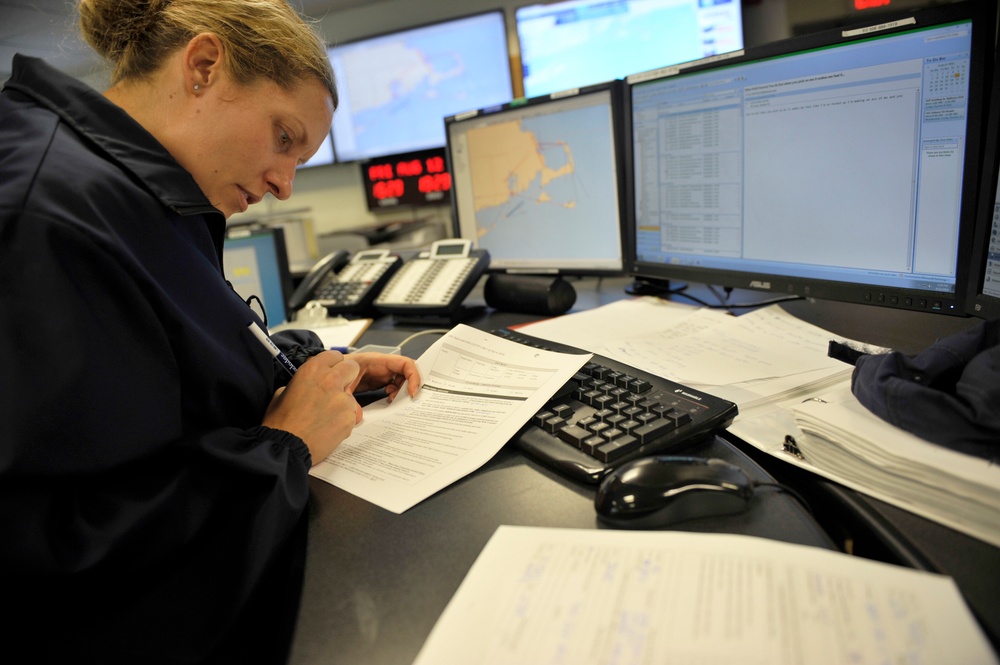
(660, 275)
(338, 157)
(981, 305)
(616, 91)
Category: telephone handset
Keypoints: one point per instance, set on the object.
(343, 283)
(436, 281)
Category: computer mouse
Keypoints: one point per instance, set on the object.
(662, 490)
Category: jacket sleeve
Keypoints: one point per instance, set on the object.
(131, 514)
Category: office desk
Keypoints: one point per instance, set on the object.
(376, 582)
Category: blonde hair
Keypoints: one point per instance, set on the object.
(263, 39)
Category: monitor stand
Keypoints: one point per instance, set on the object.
(648, 286)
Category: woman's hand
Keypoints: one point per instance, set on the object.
(381, 370)
(318, 405)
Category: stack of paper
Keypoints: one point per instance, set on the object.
(850, 444)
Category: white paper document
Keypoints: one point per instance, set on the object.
(590, 328)
(752, 360)
(581, 597)
(478, 390)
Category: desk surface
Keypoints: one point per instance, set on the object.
(376, 582)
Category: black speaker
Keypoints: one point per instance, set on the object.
(529, 294)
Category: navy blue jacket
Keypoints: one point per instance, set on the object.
(145, 515)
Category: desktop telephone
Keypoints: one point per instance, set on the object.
(343, 283)
(436, 281)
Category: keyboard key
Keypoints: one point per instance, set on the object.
(612, 450)
(612, 433)
(541, 417)
(640, 386)
(574, 435)
(599, 427)
(562, 410)
(552, 424)
(654, 429)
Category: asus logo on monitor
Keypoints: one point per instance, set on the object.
(757, 284)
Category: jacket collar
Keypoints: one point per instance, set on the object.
(117, 135)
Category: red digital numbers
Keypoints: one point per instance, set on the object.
(870, 4)
(397, 180)
(435, 164)
(388, 189)
(380, 172)
(411, 168)
(437, 182)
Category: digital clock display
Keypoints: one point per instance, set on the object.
(409, 179)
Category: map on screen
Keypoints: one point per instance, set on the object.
(397, 89)
(539, 187)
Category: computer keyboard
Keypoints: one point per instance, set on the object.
(610, 413)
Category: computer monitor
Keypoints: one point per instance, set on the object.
(984, 300)
(396, 89)
(256, 264)
(580, 42)
(536, 182)
(839, 166)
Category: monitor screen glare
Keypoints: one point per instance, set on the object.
(580, 42)
(536, 183)
(842, 164)
(396, 89)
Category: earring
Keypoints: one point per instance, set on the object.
(196, 87)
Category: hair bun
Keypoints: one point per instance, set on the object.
(111, 26)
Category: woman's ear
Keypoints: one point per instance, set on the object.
(202, 61)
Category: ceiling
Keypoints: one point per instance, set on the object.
(47, 29)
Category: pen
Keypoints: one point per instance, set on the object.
(343, 349)
(274, 350)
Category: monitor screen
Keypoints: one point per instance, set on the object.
(256, 264)
(840, 166)
(580, 42)
(985, 283)
(396, 89)
(536, 182)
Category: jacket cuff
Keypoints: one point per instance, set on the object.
(281, 440)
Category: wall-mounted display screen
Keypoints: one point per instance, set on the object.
(396, 89)
(579, 42)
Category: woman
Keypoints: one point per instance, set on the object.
(153, 470)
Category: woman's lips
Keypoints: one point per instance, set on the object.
(246, 199)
